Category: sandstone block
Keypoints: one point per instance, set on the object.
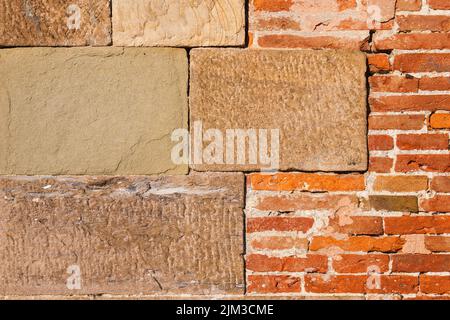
(121, 235)
(55, 23)
(316, 99)
(178, 23)
(91, 110)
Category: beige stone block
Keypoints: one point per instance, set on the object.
(316, 99)
(178, 23)
(122, 235)
(94, 111)
(55, 22)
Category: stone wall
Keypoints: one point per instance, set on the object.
(225, 148)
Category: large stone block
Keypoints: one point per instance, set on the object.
(91, 110)
(316, 99)
(55, 22)
(119, 235)
(178, 23)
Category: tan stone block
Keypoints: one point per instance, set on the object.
(316, 99)
(178, 23)
(55, 23)
(139, 235)
(91, 110)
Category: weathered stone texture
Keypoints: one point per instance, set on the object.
(55, 22)
(91, 110)
(317, 99)
(141, 235)
(178, 23)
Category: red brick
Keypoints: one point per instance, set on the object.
(361, 243)
(393, 84)
(305, 202)
(434, 83)
(422, 141)
(358, 284)
(409, 5)
(272, 5)
(380, 164)
(260, 224)
(437, 243)
(318, 42)
(307, 182)
(378, 62)
(357, 225)
(262, 263)
(358, 263)
(421, 263)
(434, 284)
(279, 243)
(440, 121)
(380, 142)
(413, 41)
(396, 122)
(422, 62)
(439, 4)
(410, 103)
(424, 162)
(273, 284)
(401, 183)
(441, 184)
(435, 224)
(423, 23)
(439, 203)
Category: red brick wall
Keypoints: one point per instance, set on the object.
(384, 233)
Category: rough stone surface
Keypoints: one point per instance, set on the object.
(178, 23)
(317, 99)
(94, 111)
(55, 23)
(141, 235)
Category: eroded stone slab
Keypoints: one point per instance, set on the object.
(55, 23)
(316, 99)
(141, 235)
(94, 111)
(178, 23)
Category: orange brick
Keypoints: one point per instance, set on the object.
(318, 42)
(434, 83)
(422, 62)
(434, 284)
(380, 164)
(421, 263)
(413, 41)
(439, 4)
(362, 243)
(396, 122)
(440, 121)
(441, 184)
(423, 23)
(305, 202)
(273, 284)
(423, 162)
(357, 225)
(436, 224)
(262, 263)
(279, 243)
(437, 243)
(380, 142)
(358, 263)
(409, 5)
(359, 284)
(393, 84)
(401, 183)
(346, 4)
(410, 103)
(260, 224)
(272, 5)
(378, 62)
(439, 203)
(422, 141)
(307, 182)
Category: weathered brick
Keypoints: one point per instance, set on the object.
(423, 23)
(423, 162)
(408, 5)
(279, 243)
(178, 23)
(260, 224)
(358, 263)
(437, 243)
(440, 121)
(378, 62)
(380, 142)
(410, 103)
(411, 41)
(357, 225)
(394, 203)
(273, 284)
(434, 284)
(422, 62)
(305, 202)
(441, 184)
(422, 141)
(420, 263)
(439, 203)
(396, 122)
(400, 183)
(417, 224)
(55, 23)
(311, 263)
(272, 5)
(393, 84)
(439, 4)
(380, 164)
(434, 83)
(361, 243)
(275, 23)
(127, 235)
(307, 182)
(57, 122)
(358, 42)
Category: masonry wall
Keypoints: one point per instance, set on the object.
(360, 205)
